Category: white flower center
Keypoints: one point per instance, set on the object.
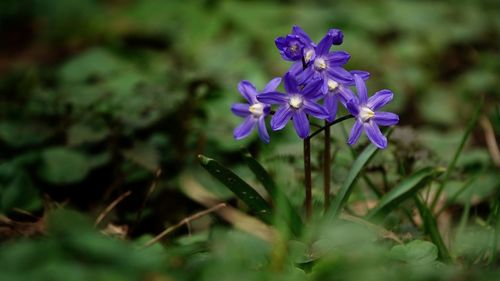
(319, 64)
(296, 101)
(309, 55)
(332, 85)
(366, 114)
(257, 109)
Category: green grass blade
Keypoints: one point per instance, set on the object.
(239, 187)
(281, 202)
(404, 190)
(348, 184)
(430, 227)
(453, 162)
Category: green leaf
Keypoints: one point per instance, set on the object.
(417, 252)
(460, 147)
(64, 166)
(348, 184)
(239, 187)
(408, 187)
(430, 227)
(285, 208)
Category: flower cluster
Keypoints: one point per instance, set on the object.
(314, 86)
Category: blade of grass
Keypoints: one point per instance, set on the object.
(348, 184)
(496, 230)
(404, 190)
(281, 201)
(430, 227)
(453, 162)
(367, 180)
(239, 187)
(462, 189)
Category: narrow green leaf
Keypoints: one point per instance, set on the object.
(285, 208)
(430, 227)
(239, 187)
(460, 147)
(405, 189)
(348, 184)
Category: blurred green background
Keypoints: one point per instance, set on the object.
(97, 97)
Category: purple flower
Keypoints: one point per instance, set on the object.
(323, 65)
(297, 45)
(295, 105)
(254, 111)
(339, 92)
(364, 109)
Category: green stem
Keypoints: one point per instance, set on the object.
(327, 167)
(308, 178)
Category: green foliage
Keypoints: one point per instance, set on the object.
(98, 98)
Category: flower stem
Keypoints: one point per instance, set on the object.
(326, 167)
(308, 179)
(327, 125)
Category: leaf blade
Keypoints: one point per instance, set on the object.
(404, 190)
(284, 206)
(348, 184)
(239, 187)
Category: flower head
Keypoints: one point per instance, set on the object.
(368, 118)
(295, 104)
(254, 111)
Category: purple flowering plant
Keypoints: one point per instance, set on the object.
(314, 86)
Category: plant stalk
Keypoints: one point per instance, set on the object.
(308, 178)
(327, 167)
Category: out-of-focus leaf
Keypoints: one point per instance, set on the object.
(404, 190)
(145, 155)
(63, 165)
(19, 134)
(416, 253)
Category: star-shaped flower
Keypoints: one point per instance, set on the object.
(254, 111)
(368, 118)
(295, 104)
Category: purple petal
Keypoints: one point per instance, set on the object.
(385, 118)
(280, 43)
(379, 99)
(337, 58)
(272, 85)
(355, 132)
(364, 74)
(312, 89)
(337, 35)
(301, 124)
(296, 68)
(247, 90)
(331, 105)
(345, 94)
(281, 117)
(361, 88)
(272, 98)
(245, 128)
(263, 134)
(302, 34)
(324, 45)
(290, 84)
(340, 75)
(353, 107)
(374, 134)
(304, 75)
(240, 109)
(315, 110)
